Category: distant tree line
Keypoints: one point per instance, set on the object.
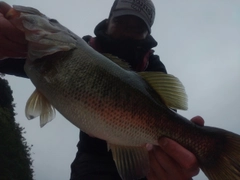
(15, 156)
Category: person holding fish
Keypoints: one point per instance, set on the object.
(126, 33)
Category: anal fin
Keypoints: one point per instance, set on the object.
(38, 105)
(131, 162)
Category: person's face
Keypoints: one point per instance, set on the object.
(127, 27)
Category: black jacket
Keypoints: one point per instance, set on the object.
(93, 161)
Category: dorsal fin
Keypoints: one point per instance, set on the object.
(38, 105)
(123, 64)
(168, 87)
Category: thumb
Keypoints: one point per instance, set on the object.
(4, 8)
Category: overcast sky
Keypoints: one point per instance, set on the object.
(198, 41)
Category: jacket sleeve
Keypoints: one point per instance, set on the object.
(13, 67)
(87, 38)
(154, 64)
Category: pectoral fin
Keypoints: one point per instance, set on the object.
(131, 162)
(168, 87)
(38, 105)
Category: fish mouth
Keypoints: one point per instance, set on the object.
(12, 13)
(45, 36)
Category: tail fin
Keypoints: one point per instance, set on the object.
(225, 164)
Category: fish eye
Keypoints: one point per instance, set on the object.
(53, 20)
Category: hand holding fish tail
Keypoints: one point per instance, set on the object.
(13, 43)
(172, 161)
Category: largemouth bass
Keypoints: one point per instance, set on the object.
(103, 97)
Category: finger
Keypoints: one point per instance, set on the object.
(12, 46)
(4, 8)
(11, 32)
(183, 157)
(151, 175)
(149, 147)
(156, 170)
(9, 54)
(198, 120)
(164, 161)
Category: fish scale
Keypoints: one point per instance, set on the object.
(83, 89)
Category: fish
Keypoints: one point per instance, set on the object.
(102, 96)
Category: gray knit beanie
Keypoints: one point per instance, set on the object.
(143, 9)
